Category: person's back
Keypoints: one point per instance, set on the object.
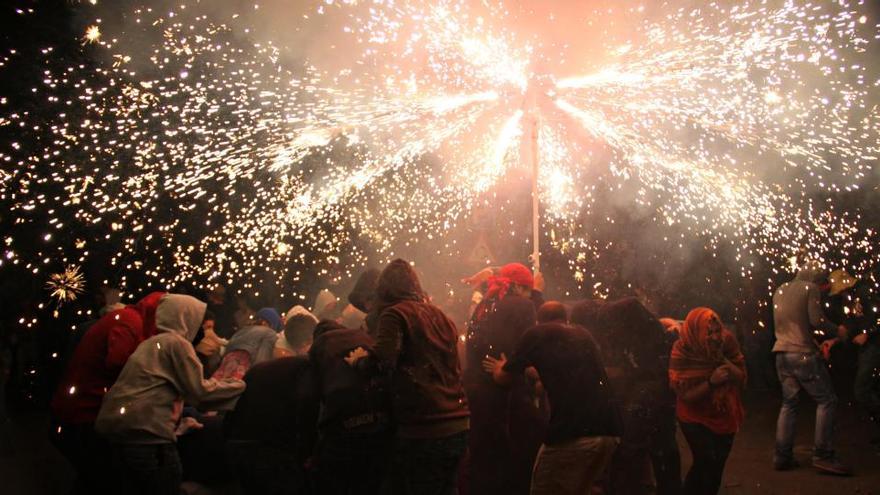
(416, 342)
(141, 410)
(354, 394)
(250, 345)
(585, 424)
(797, 312)
(99, 358)
(272, 431)
(278, 403)
(570, 366)
(427, 383)
(355, 411)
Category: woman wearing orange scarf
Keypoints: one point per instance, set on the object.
(707, 372)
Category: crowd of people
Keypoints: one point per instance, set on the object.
(391, 396)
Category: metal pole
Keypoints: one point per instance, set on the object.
(536, 214)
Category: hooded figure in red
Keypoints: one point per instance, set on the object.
(99, 358)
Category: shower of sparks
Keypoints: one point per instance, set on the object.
(93, 34)
(67, 285)
(238, 168)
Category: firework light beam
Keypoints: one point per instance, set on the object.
(212, 124)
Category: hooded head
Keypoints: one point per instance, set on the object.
(298, 310)
(180, 314)
(812, 271)
(363, 296)
(398, 282)
(702, 333)
(325, 305)
(271, 317)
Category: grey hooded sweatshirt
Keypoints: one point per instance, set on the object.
(797, 312)
(145, 403)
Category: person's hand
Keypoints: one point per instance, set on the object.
(540, 284)
(209, 346)
(491, 365)
(187, 425)
(478, 278)
(720, 376)
(860, 339)
(355, 356)
(825, 348)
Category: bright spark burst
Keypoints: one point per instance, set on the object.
(67, 285)
(724, 118)
(93, 34)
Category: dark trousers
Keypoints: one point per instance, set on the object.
(264, 469)
(665, 457)
(148, 469)
(88, 453)
(710, 451)
(867, 385)
(427, 466)
(649, 437)
(353, 464)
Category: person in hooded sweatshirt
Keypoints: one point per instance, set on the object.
(500, 448)
(352, 456)
(797, 312)
(141, 410)
(96, 362)
(417, 342)
(250, 345)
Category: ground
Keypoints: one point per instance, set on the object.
(30, 465)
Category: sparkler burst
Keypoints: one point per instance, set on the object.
(67, 285)
(209, 157)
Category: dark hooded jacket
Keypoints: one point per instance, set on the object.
(417, 341)
(354, 395)
(99, 357)
(797, 312)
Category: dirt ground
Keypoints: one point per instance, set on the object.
(30, 465)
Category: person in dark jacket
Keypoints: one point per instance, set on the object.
(417, 342)
(585, 423)
(636, 349)
(94, 366)
(500, 454)
(271, 433)
(354, 426)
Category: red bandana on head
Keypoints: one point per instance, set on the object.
(511, 273)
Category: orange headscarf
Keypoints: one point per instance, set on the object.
(692, 362)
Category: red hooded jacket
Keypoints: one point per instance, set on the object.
(99, 358)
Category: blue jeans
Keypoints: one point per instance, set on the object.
(798, 371)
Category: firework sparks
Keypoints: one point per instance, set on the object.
(285, 166)
(67, 285)
(93, 34)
